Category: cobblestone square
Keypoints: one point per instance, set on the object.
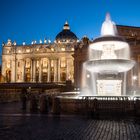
(16, 125)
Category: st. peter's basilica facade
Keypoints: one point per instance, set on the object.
(58, 61)
(43, 62)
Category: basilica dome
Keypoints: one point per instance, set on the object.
(66, 35)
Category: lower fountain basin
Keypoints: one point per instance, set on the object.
(109, 65)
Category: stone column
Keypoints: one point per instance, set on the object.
(138, 74)
(34, 70)
(55, 70)
(40, 70)
(13, 69)
(23, 70)
(31, 68)
(67, 69)
(49, 70)
(58, 66)
(4, 68)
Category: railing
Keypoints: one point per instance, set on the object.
(106, 97)
(137, 105)
(107, 104)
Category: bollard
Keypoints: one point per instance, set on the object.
(56, 109)
(23, 97)
(33, 103)
(44, 105)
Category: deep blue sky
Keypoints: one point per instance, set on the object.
(27, 20)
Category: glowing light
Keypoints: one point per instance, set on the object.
(66, 26)
(8, 51)
(3, 44)
(135, 77)
(69, 77)
(40, 41)
(78, 40)
(45, 41)
(88, 76)
(62, 49)
(49, 41)
(37, 64)
(72, 49)
(52, 49)
(19, 51)
(14, 43)
(78, 88)
(9, 43)
(27, 50)
(23, 43)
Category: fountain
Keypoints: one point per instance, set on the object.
(105, 72)
(104, 77)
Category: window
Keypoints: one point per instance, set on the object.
(27, 50)
(52, 63)
(63, 49)
(18, 64)
(45, 63)
(37, 64)
(63, 62)
(27, 64)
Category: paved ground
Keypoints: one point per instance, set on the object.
(18, 125)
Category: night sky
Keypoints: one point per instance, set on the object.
(27, 20)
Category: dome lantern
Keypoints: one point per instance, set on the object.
(66, 26)
(66, 35)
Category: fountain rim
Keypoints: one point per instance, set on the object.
(109, 38)
(117, 42)
(109, 65)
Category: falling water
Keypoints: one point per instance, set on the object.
(109, 57)
(108, 27)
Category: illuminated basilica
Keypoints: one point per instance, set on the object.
(43, 62)
(60, 60)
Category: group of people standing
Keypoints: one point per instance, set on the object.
(36, 101)
(24, 97)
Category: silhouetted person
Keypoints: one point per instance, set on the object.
(33, 103)
(24, 98)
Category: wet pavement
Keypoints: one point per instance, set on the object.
(16, 124)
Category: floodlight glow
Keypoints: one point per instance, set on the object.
(134, 77)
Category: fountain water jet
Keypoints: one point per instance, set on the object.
(109, 61)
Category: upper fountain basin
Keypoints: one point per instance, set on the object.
(109, 65)
(116, 42)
